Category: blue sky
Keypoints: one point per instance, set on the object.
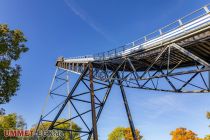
(78, 27)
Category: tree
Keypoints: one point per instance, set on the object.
(117, 134)
(2, 111)
(121, 133)
(20, 123)
(7, 122)
(66, 125)
(129, 136)
(10, 122)
(208, 115)
(11, 47)
(184, 134)
(207, 137)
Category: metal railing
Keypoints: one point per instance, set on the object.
(80, 57)
(157, 33)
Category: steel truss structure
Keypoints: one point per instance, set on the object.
(178, 64)
(162, 74)
(166, 68)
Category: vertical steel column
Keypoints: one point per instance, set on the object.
(94, 123)
(127, 108)
(102, 106)
(69, 104)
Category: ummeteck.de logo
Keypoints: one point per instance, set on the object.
(28, 133)
(18, 133)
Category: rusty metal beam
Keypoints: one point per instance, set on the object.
(92, 96)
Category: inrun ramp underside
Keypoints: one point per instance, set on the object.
(182, 47)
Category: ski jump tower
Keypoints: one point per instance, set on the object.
(175, 58)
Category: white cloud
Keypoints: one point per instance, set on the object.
(158, 106)
(86, 18)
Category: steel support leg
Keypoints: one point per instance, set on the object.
(35, 136)
(127, 108)
(103, 103)
(94, 123)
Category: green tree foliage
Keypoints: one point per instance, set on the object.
(121, 133)
(207, 137)
(66, 125)
(208, 115)
(10, 122)
(117, 134)
(11, 47)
